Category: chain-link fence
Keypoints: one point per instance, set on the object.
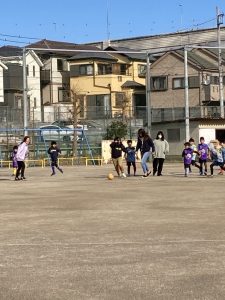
(95, 129)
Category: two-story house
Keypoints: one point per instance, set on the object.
(12, 57)
(55, 75)
(111, 83)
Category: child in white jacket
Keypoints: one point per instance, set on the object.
(22, 152)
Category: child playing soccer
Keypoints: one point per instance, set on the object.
(217, 158)
(195, 152)
(54, 151)
(14, 160)
(203, 151)
(187, 157)
(116, 151)
(130, 157)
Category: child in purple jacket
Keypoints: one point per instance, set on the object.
(187, 157)
(203, 150)
(14, 160)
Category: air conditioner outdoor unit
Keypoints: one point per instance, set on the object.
(206, 80)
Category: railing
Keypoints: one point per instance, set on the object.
(101, 116)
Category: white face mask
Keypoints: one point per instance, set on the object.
(159, 136)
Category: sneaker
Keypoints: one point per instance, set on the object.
(205, 173)
(145, 176)
(23, 178)
(148, 173)
(17, 178)
(123, 175)
(53, 174)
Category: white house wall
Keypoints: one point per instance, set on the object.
(34, 88)
(56, 81)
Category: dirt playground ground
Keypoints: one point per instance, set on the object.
(79, 235)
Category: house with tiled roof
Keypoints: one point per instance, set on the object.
(12, 88)
(112, 83)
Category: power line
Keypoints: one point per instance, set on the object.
(19, 37)
(12, 41)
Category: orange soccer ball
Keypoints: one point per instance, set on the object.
(110, 176)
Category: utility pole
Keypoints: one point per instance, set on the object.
(148, 95)
(25, 112)
(219, 17)
(186, 96)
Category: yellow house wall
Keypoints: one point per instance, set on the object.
(105, 84)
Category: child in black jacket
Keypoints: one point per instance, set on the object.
(54, 151)
(116, 151)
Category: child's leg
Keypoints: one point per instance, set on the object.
(18, 169)
(155, 165)
(53, 167)
(186, 170)
(211, 168)
(205, 165)
(57, 166)
(196, 165)
(134, 167)
(116, 166)
(128, 167)
(120, 164)
(201, 166)
(160, 167)
(144, 162)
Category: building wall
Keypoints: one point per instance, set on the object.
(34, 88)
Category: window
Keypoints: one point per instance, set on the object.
(119, 99)
(123, 69)
(33, 71)
(159, 83)
(98, 106)
(86, 70)
(173, 135)
(59, 65)
(214, 80)
(27, 70)
(179, 83)
(142, 70)
(104, 69)
(62, 95)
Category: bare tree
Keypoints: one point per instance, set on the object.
(75, 110)
(126, 104)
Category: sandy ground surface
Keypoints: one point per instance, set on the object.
(78, 235)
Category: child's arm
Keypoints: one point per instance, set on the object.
(183, 153)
